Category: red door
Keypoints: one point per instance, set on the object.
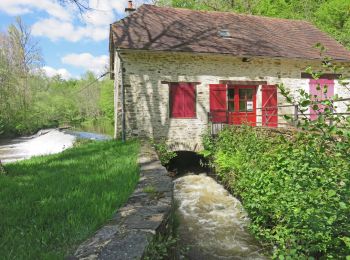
(241, 105)
(269, 106)
(317, 93)
(218, 104)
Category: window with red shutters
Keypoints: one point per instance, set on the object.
(182, 100)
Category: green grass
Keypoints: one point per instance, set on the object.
(49, 204)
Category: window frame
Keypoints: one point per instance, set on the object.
(232, 100)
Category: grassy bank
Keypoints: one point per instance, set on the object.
(296, 194)
(49, 204)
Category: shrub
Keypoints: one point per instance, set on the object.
(296, 194)
(164, 153)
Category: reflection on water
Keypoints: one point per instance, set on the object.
(212, 222)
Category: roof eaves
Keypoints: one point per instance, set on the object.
(227, 53)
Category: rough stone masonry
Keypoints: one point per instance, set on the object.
(145, 74)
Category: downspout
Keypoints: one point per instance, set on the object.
(123, 95)
(116, 69)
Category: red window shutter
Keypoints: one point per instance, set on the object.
(175, 100)
(218, 103)
(189, 110)
(182, 100)
(269, 106)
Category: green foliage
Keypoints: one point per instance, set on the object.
(296, 194)
(149, 189)
(165, 245)
(164, 153)
(56, 102)
(295, 189)
(107, 99)
(334, 17)
(330, 128)
(30, 101)
(1, 126)
(152, 192)
(208, 144)
(160, 247)
(50, 204)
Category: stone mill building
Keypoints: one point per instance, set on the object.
(178, 71)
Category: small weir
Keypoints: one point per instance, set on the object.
(213, 224)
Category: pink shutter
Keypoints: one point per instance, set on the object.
(189, 97)
(318, 94)
(176, 100)
(218, 103)
(269, 106)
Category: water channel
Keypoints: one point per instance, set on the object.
(213, 223)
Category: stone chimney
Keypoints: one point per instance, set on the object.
(130, 9)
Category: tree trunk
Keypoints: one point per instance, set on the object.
(2, 169)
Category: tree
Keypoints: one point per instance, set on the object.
(2, 170)
(334, 18)
(20, 57)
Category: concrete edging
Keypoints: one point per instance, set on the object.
(134, 225)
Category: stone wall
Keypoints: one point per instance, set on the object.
(147, 98)
(128, 234)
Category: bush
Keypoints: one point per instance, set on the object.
(296, 194)
(163, 151)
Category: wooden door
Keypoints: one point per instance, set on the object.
(241, 104)
(269, 106)
(318, 93)
(218, 103)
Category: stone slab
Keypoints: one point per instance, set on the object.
(132, 228)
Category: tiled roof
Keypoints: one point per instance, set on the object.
(173, 29)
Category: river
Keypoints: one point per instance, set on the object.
(48, 141)
(212, 223)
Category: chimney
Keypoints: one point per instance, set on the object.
(130, 9)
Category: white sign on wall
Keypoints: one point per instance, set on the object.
(249, 105)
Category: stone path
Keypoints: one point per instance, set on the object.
(130, 231)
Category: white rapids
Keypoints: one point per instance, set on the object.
(45, 142)
(212, 222)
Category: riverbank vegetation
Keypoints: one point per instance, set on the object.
(29, 100)
(293, 184)
(296, 195)
(50, 204)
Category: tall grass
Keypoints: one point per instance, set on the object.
(50, 204)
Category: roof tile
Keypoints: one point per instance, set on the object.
(174, 29)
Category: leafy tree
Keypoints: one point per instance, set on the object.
(334, 17)
(107, 99)
(19, 57)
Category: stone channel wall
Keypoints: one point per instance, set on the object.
(146, 213)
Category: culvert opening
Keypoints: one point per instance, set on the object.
(186, 162)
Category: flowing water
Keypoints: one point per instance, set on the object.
(48, 141)
(212, 222)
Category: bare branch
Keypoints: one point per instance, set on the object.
(82, 5)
